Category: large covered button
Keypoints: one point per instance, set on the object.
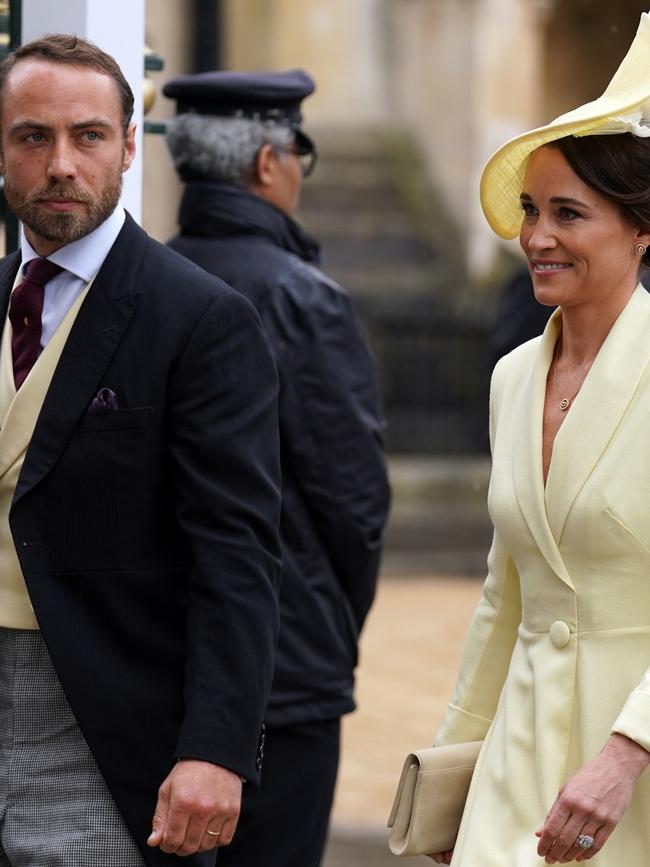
(560, 633)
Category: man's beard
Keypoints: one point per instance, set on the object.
(64, 227)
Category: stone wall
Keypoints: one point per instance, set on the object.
(461, 76)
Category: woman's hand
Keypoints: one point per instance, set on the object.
(442, 857)
(592, 802)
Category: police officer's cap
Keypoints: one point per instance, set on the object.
(256, 95)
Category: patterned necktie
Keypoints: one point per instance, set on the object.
(25, 310)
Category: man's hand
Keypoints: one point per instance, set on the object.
(198, 808)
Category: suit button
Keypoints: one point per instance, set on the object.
(560, 633)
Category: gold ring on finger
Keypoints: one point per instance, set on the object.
(213, 833)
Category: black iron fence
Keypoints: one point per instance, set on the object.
(435, 364)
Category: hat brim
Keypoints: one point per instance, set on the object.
(503, 176)
(304, 140)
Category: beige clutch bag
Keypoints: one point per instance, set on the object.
(430, 799)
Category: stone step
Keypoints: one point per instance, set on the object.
(352, 141)
(383, 251)
(377, 279)
(374, 241)
(366, 223)
(439, 520)
(387, 239)
(369, 199)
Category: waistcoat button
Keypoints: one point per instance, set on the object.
(560, 633)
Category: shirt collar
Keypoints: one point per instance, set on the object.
(84, 257)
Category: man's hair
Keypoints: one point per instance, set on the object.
(66, 48)
(211, 148)
(617, 167)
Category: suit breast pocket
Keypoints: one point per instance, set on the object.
(106, 420)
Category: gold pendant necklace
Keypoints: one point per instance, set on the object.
(565, 402)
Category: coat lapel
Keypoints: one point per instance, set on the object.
(527, 463)
(597, 410)
(97, 331)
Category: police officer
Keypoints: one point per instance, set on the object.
(237, 143)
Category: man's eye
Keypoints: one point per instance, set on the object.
(91, 136)
(36, 137)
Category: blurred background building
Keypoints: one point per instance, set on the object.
(413, 96)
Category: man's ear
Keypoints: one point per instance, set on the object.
(129, 147)
(265, 165)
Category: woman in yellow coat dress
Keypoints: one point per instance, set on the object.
(556, 669)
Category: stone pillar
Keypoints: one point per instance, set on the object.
(432, 74)
(506, 96)
(118, 28)
(169, 29)
(339, 42)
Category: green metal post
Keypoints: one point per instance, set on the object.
(10, 221)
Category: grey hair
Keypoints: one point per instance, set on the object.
(221, 148)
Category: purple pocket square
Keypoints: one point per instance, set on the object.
(105, 399)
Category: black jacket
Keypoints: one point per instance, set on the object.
(147, 534)
(335, 490)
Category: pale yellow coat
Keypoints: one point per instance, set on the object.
(558, 655)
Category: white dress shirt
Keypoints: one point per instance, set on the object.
(81, 260)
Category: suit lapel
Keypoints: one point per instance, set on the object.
(8, 268)
(97, 331)
(527, 462)
(597, 410)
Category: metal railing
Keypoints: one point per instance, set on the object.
(435, 365)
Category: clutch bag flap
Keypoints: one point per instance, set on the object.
(430, 798)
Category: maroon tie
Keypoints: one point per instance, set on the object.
(25, 310)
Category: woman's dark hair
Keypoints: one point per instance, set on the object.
(618, 167)
(64, 48)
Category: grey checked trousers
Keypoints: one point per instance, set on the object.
(55, 808)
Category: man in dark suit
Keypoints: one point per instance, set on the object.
(238, 144)
(139, 501)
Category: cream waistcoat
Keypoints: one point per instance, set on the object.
(19, 412)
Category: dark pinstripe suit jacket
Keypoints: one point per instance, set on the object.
(147, 534)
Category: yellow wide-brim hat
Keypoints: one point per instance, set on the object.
(620, 109)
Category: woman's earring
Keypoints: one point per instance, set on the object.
(640, 249)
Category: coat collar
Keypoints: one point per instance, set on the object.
(215, 209)
(97, 331)
(590, 423)
(528, 470)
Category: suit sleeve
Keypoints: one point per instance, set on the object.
(225, 450)
(332, 430)
(490, 641)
